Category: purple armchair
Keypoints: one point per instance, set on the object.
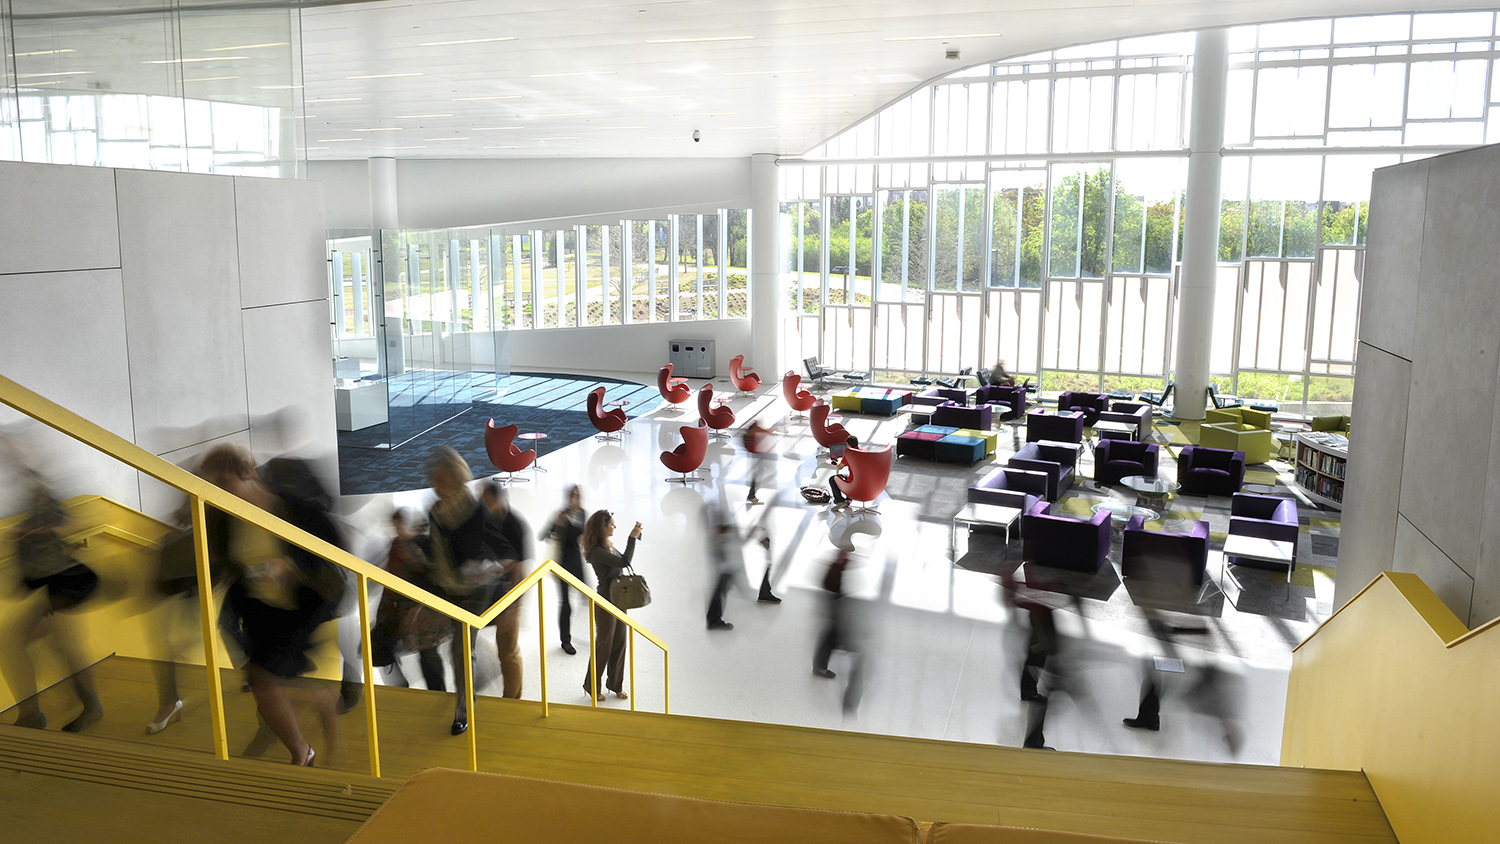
(1164, 557)
(1089, 404)
(954, 415)
(1265, 517)
(1115, 459)
(1007, 487)
(1057, 462)
(1012, 398)
(1058, 427)
(1131, 413)
(1215, 471)
(934, 396)
(1064, 543)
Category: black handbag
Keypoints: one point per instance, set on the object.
(629, 591)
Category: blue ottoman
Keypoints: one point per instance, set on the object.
(959, 449)
(884, 406)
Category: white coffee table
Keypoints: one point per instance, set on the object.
(988, 515)
(1274, 551)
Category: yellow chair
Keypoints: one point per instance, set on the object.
(1238, 416)
(1255, 442)
(1337, 424)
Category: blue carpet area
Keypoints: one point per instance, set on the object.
(550, 404)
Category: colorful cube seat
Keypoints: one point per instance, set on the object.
(847, 400)
(956, 448)
(991, 439)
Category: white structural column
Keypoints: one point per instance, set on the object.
(1200, 247)
(765, 299)
(383, 213)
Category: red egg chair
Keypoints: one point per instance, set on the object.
(827, 435)
(605, 422)
(869, 469)
(686, 458)
(500, 443)
(797, 399)
(716, 418)
(744, 380)
(674, 390)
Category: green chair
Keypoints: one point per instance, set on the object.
(1238, 416)
(1255, 442)
(1337, 424)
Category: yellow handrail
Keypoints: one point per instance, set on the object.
(202, 493)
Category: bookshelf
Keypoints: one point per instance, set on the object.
(1321, 460)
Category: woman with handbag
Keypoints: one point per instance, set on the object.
(609, 564)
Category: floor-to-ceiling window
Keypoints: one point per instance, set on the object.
(1031, 210)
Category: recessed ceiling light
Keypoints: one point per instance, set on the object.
(700, 38)
(303, 116)
(42, 52)
(466, 41)
(945, 37)
(383, 75)
(420, 116)
(418, 146)
(493, 128)
(573, 73)
(767, 72)
(379, 129)
(211, 79)
(312, 148)
(31, 86)
(201, 59)
(445, 139)
(337, 140)
(245, 47)
(334, 100)
(54, 73)
(655, 97)
(493, 97)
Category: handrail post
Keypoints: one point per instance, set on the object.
(206, 616)
(541, 636)
(631, 644)
(364, 646)
(666, 685)
(593, 684)
(468, 667)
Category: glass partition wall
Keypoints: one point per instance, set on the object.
(152, 84)
(1031, 210)
(422, 320)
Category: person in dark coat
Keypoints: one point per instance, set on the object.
(566, 529)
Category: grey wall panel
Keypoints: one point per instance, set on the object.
(57, 218)
(1456, 331)
(62, 335)
(282, 241)
(289, 378)
(162, 501)
(1487, 568)
(182, 307)
(1416, 554)
(1367, 536)
(1398, 202)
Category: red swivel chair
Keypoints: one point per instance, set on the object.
(746, 381)
(674, 390)
(686, 458)
(827, 435)
(500, 443)
(717, 418)
(607, 423)
(797, 399)
(869, 469)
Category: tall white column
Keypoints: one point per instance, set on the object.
(765, 296)
(383, 197)
(1200, 236)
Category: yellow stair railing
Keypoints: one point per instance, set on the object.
(201, 493)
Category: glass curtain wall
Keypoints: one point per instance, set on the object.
(1031, 210)
(211, 88)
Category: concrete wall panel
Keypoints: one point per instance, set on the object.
(182, 307)
(74, 355)
(1456, 331)
(282, 243)
(1416, 554)
(1487, 569)
(289, 379)
(162, 501)
(1398, 203)
(1367, 538)
(65, 221)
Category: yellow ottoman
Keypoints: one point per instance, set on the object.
(847, 400)
(989, 437)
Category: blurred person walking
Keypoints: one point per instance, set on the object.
(610, 633)
(515, 533)
(566, 529)
(838, 631)
(402, 624)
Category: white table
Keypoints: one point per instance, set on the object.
(359, 404)
(988, 515)
(1275, 551)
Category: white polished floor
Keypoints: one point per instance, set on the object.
(943, 651)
